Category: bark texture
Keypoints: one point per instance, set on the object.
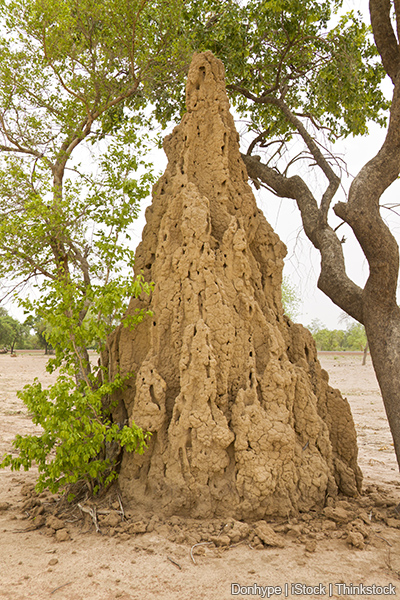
(375, 306)
(243, 420)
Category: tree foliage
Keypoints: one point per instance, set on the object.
(69, 71)
(76, 79)
(352, 338)
(76, 430)
(289, 53)
(12, 332)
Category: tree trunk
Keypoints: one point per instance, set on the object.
(83, 369)
(383, 332)
(365, 354)
(376, 305)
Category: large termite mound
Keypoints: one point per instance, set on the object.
(243, 421)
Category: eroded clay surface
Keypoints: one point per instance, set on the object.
(243, 421)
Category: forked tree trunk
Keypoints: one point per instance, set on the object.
(375, 306)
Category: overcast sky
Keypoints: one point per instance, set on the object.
(302, 261)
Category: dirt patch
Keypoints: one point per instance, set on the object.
(49, 550)
(376, 453)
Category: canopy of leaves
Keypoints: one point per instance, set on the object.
(84, 56)
(68, 71)
(324, 67)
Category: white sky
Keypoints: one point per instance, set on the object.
(302, 261)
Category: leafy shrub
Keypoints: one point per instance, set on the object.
(76, 429)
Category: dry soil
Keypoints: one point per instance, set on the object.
(139, 557)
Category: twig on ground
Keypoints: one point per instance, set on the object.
(121, 507)
(27, 530)
(92, 513)
(195, 546)
(96, 524)
(237, 544)
(382, 538)
(61, 586)
(222, 529)
(174, 563)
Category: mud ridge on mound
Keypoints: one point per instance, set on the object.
(243, 421)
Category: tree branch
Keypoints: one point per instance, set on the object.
(28, 259)
(133, 47)
(384, 36)
(12, 140)
(57, 74)
(81, 260)
(333, 280)
(362, 211)
(334, 180)
(18, 286)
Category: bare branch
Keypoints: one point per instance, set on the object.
(311, 144)
(17, 146)
(334, 180)
(257, 140)
(384, 36)
(18, 286)
(333, 280)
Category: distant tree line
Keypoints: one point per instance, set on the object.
(351, 338)
(29, 335)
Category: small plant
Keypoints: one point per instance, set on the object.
(74, 435)
(291, 300)
(76, 428)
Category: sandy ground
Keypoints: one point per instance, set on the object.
(313, 557)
